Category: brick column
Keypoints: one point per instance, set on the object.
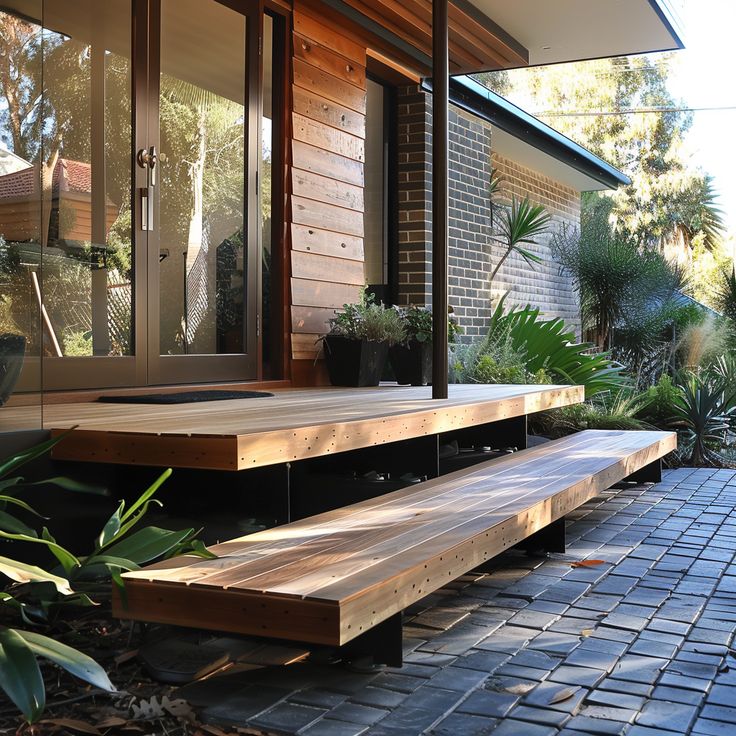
(415, 196)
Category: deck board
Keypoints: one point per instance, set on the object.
(370, 560)
(291, 425)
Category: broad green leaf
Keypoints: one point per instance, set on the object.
(70, 659)
(112, 527)
(21, 458)
(148, 544)
(22, 573)
(20, 676)
(21, 504)
(197, 547)
(147, 494)
(72, 485)
(68, 561)
(56, 549)
(13, 525)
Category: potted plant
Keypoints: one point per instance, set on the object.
(12, 351)
(411, 359)
(357, 345)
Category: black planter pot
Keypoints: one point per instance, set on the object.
(354, 362)
(12, 351)
(412, 363)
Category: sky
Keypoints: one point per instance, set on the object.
(704, 76)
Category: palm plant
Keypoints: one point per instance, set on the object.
(519, 225)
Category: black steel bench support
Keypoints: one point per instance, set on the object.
(383, 643)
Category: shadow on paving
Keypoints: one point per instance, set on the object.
(633, 641)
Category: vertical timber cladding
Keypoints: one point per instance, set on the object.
(327, 153)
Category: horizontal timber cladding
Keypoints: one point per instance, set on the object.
(325, 242)
(326, 196)
(326, 268)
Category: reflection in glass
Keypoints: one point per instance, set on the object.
(266, 188)
(201, 192)
(20, 125)
(85, 178)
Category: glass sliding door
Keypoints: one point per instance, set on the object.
(130, 226)
(203, 236)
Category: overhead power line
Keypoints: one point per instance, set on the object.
(633, 111)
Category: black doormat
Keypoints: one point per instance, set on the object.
(182, 397)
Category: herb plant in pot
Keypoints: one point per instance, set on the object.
(411, 359)
(357, 345)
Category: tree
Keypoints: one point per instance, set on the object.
(598, 104)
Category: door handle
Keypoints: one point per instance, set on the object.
(146, 209)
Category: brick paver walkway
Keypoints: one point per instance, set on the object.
(637, 645)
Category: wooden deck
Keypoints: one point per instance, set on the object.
(291, 425)
(331, 577)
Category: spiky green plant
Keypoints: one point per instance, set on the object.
(549, 345)
(520, 224)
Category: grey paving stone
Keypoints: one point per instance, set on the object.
(325, 727)
(379, 697)
(572, 675)
(488, 703)
(540, 716)
(634, 668)
(653, 648)
(533, 619)
(552, 641)
(400, 683)
(458, 678)
(722, 695)
(720, 713)
(597, 726)
(677, 695)
(607, 646)
(285, 717)
(569, 697)
(507, 639)
(686, 683)
(616, 700)
(623, 686)
(360, 714)
(441, 700)
(241, 706)
(646, 731)
(485, 661)
(511, 727)
(318, 697)
(712, 728)
(584, 657)
(409, 720)
(457, 724)
(666, 715)
(609, 713)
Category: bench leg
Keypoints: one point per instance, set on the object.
(549, 539)
(651, 473)
(383, 643)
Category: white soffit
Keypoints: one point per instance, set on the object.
(556, 31)
(522, 153)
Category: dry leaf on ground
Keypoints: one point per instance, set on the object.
(561, 695)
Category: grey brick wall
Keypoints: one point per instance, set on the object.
(472, 251)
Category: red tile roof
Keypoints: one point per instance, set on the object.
(69, 176)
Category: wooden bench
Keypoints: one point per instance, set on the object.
(346, 575)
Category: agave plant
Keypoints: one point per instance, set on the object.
(704, 412)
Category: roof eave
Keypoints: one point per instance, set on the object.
(473, 97)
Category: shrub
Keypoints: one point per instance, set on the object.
(369, 320)
(418, 324)
(609, 410)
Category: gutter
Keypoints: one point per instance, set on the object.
(475, 98)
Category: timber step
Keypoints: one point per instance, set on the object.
(333, 577)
